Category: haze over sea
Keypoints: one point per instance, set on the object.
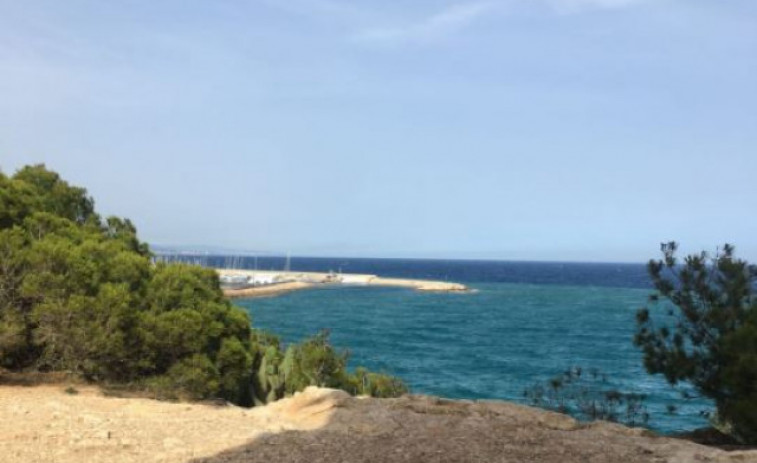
(526, 323)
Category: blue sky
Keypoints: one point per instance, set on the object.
(582, 130)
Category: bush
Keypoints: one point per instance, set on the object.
(587, 396)
(364, 382)
(701, 327)
(313, 362)
(80, 294)
(195, 376)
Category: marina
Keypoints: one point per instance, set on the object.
(237, 283)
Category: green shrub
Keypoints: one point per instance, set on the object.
(703, 330)
(196, 377)
(313, 362)
(372, 384)
(588, 396)
(79, 293)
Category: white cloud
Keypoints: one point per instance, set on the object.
(436, 26)
(334, 11)
(576, 5)
(458, 17)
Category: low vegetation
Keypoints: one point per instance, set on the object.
(587, 395)
(701, 328)
(278, 372)
(80, 294)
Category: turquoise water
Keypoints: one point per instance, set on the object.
(491, 344)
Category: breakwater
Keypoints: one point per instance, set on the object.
(271, 282)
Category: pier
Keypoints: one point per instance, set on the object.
(271, 282)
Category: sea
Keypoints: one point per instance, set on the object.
(524, 323)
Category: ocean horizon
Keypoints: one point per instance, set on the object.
(524, 323)
(620, 274)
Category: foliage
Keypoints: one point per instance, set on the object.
(313, 362)
(80, 294)
(587, 396)
(701, 327)
(365, 382)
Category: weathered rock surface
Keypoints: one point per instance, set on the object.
(428, 429)
(44, 424)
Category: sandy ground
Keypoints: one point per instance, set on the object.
(45, 424)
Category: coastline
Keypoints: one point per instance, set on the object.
(279, 282)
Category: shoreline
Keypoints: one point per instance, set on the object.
(279, 282)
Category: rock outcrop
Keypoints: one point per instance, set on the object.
(44, 423)
(429, 429)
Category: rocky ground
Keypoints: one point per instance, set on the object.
(47, 424)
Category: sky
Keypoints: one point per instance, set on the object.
(562, 130)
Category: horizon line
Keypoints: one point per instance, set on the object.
(222, 251)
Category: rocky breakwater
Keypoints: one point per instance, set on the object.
(420, 285)
(271, 282)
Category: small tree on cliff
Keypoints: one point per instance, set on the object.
(701, 327)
